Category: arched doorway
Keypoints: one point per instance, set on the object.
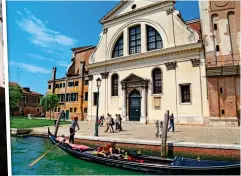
(134, 105)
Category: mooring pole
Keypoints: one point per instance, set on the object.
(57, 124)
(164, 136)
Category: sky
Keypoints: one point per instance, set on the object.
(41, 35)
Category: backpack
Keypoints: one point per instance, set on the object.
(112, 121)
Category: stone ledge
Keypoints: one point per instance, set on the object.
(223, 122)
(170, 143)
(43, 133)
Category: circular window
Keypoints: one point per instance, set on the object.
(133, 6)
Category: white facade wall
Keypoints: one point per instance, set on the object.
(176, 36)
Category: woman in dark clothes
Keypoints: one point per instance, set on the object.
(72, 129)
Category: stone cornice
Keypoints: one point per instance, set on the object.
(90, 77)
(104, 75)
(105, 20)
(67, 78)
(196, 47)
(195, 62)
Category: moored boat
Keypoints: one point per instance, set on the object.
(150, 164)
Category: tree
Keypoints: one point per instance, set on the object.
(49, 102)
(15, 95)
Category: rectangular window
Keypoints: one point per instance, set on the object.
(61, 97)
(86, 82)
(215, 26)
(223, 112)
(76, 83)
(221, 90)
(60, 85)
(24, 99)
(71, 84)
(56, 86)
(71, 109)
(75, 109)
(49, 86)
(95, 98)
(185, 93)
(217, 47)
(67, 97)
(74, 97)
(135, 40)
(63, 84)
(55, 109)
(85, 110)
(86, 96)
(58, 109)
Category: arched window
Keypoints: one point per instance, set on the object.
(135, 40)
(115, 85)
(118, 49)
(157, 81)
(154, 40)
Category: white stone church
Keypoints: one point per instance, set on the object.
(149, 61)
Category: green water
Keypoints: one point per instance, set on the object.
(57, 162)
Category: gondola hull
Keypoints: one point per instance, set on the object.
(178, 166)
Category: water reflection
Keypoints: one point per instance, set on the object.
(26, 150)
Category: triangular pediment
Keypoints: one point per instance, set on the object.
(125, 7)
(132, 78)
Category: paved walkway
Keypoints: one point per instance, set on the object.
(211, 135)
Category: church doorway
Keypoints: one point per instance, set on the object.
(134, 106)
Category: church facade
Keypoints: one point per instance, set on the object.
(149, 60)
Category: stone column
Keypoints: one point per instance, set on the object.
(143, 38)
(143, 106)
(125, 40)
(123, 104)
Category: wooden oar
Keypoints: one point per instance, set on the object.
(47, 152)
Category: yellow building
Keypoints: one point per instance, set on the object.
(72, 89)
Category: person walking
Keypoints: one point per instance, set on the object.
(109, 123)
(101, 120)
(72, 129)
(171, 123)
(117, 123)
(120, 125)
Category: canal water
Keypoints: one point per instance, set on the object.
(57, 162)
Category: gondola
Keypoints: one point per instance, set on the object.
(150, 164)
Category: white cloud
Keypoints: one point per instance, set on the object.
(58, 62)
(31, 68)
(63, 64)
(38, 57)
(41, 35)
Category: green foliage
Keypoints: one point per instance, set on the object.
(15, 95)
(49, 102)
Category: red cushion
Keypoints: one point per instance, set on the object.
(80, 147)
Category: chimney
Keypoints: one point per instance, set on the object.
(27, 89)
(82, 68)
(54, 73)
(54, 77)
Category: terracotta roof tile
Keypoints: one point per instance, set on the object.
(23, 90)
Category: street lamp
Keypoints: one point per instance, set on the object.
(98, 83)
